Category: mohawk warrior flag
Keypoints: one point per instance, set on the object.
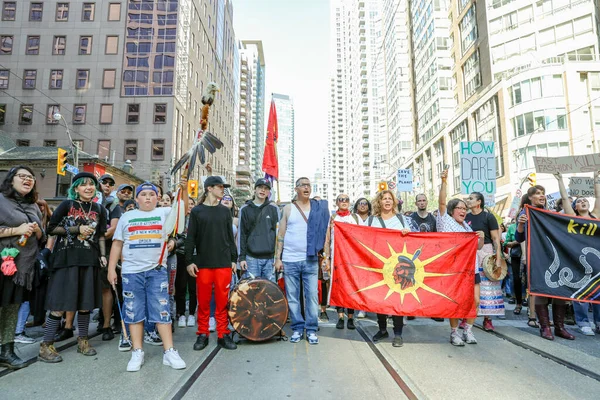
(563, 256)
(270, 164)
(420, 274)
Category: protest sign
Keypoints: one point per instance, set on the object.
(567, 164)
(405, 180)
(478, 169)
(581, 186)
(551, 200)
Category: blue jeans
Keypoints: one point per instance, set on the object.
(581, 314)
(306, 272)
(146, 297)
(260, 268)
(22, 317)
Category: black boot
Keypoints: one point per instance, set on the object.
(9, 359)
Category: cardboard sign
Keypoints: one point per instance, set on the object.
(405, 180)
(478, 169)
(568, 164)
(551, 200)
(514, 207)
(580, 186)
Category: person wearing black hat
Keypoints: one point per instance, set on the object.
(211, 236)
(107, 184)
(74, 285)
(258, 231)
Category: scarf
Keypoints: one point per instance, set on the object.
(343, 213)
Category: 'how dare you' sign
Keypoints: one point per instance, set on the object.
(478, 169)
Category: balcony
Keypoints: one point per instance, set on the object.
(243, 182)
(242, 145)
(242, 155)
(365, 125)
(366, 172)
(365, 134)
(366, 144)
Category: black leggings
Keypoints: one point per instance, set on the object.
(184, 282)
(324, 292)
(515, 264)
(398, 323)
(341, 310)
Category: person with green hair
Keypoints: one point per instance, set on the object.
(75, 284)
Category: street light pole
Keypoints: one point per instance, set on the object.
(74, 149)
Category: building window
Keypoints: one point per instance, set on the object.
(2, 114)
(158, 149)
(49, 143)
(62, 12)
(114, 12)
(106, 113)
(4, 78)
(83, 79)
(468, 29)
(130, 150)
(88, 11)
(56, 79)
(35, 11)
(108, 78)
(112, 45)
(85, 45)
(59, 45)
(79, 111)
(50, 111)
(6, 44)
(160, 113)
(33, 45)
(471, 74)
(29, 78)
(133, 113)
(26, 114)
(9, 10)
(103, 149)
(78, 143)
(23, 143)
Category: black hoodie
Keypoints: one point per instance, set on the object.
(257, 235)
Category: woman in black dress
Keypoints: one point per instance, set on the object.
(79, 225)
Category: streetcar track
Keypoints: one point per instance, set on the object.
(192, 379)
(577, 368)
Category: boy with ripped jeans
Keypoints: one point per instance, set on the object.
(138, 242)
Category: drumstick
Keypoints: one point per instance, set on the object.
(120, 313)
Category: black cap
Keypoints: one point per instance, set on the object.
(107, 176)
(86, 175)
(214, 180)
(262, 182)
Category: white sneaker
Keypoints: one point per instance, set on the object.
(455, 339)
(137, 360)
(191, 320)
(172, 359)
(361, 314)
(468, 337)
(587, 331)
(212, 324)
(181, 322)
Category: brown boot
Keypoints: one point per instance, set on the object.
(48, 353)
(84, 347)
(558, 315)
(543, 316)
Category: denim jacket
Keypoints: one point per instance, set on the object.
(318, 220)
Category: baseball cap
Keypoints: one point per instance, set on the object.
(125, 186)
(262, 182)
(146, 186)
(107, 176)
(215, 180)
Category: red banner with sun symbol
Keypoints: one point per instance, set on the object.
(419, 274)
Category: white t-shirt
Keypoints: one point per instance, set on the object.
(142, 235)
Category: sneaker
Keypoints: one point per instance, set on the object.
(468, 337)
(398, 341)
(380, 335)
(455, 339)
(107, 334)
(172, 359)
(201, 342)
(227, 343)
(191, 321)
(350, 324)
(137, 360)
(586, 330)
(212, 324)
(323, 317)
(487, 325)
(124, 345)
(361, 314)
(463, 324)
(152, 338)
(340, 324)
(23, 338)
(296, 337)
(312, 338)
(181, 323)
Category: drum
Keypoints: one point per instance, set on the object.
(491, 271)
(258, 309)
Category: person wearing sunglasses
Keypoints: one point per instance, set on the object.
(362, 208)
(342, 214)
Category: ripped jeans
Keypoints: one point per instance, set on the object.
(146, 297)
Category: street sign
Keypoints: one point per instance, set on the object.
(72, 169)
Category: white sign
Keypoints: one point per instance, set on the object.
(405, 180)
(581, 186)
(551, 200)
(478, 169)
(514, 207)
(568, 164)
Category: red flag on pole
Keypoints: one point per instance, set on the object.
(270, 163)
(420, 274)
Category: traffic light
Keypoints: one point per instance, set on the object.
(532, 179)
(192, 188)
(61, 164)
(382, 186)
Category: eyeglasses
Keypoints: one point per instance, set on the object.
(109, 183)
(363, 203)
(227, 198)
(343, 199)
(25, 177)
(307, 185)
(461, 208)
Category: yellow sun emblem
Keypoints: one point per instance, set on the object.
(404, 273)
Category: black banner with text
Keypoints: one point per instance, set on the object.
(563, 256)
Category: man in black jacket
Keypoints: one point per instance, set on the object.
(257, 232)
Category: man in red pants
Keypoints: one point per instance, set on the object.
(210, 234)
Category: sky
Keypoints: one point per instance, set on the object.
(295, 36)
